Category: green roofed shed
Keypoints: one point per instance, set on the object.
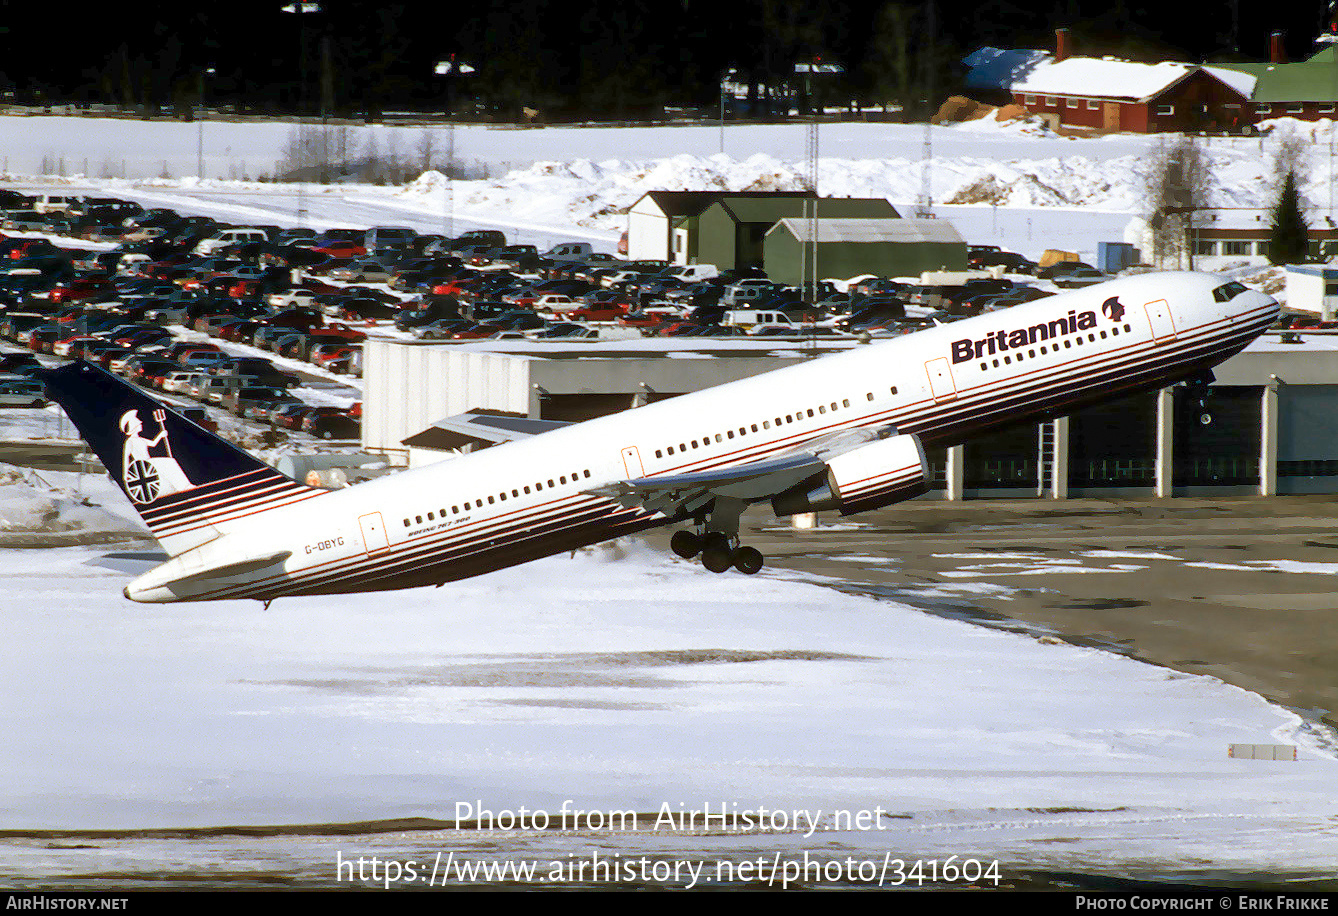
(850, 247)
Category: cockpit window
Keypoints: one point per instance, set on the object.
(1228, 291)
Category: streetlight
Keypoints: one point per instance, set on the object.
(298, 9)
(199, 123)
(725, 79)
(448, 69)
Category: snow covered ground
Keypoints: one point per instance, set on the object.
(618, 678)
(1009, 183)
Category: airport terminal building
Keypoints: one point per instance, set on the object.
(1265, 427)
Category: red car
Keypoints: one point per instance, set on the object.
(327, 354)
(602, 311)
(341, 249)
(77, 290)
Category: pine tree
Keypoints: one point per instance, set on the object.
(1289, 237)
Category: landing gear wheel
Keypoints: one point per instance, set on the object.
(686, 544)
(717, 557)
(747, 560)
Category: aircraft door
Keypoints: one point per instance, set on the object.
(1159, 317)
(632, 462)
(374, 535)
(941, 382)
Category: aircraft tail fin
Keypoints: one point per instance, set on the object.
(187, 484)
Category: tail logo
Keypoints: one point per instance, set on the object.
(148, 469)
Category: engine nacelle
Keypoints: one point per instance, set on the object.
(869, 477)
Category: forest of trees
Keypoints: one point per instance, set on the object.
(593, 59)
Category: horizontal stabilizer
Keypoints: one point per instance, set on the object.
(481, 428)
(241, 567)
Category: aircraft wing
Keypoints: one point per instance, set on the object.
(751, 482)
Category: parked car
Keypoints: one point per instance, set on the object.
(16, 391)
(331, 423)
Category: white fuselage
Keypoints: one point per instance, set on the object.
(505, 505)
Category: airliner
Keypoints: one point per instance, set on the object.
(844, 433)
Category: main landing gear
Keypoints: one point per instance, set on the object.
(719, 551)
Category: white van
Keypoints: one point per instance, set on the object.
(55, 203)
(229, 237)
(755, 319)
(694, 273)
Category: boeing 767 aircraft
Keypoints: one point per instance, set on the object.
(846, 432)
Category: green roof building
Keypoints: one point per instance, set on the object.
(731, 231)
(851, 247)
(1307, 90)
(727, 228)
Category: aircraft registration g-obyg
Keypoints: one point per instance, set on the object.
(846, 432)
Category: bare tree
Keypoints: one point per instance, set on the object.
(1179, 184)
(427, 150)
(1291, 155)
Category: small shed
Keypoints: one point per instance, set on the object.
(850, 247)
(662, 225)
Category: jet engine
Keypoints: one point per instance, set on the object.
(869, 477)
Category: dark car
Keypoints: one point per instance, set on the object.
(1079, 275)
(331, 425)
(1008, 260)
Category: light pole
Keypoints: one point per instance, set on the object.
(199, 123)
(298, 9)
(724, 80)
(448, 69)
